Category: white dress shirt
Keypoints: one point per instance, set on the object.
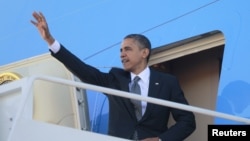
(55, 47)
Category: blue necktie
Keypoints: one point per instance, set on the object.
(135, 88)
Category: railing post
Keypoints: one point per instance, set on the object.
(26, 105)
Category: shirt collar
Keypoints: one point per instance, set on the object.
(144, 75)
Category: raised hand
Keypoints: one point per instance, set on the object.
(42, 27)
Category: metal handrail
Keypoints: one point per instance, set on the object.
(26, 85)
(194, 109)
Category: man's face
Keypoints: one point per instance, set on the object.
(132, 56)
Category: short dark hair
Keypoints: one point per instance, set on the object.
(142, 40)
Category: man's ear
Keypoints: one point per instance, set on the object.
(145, 52)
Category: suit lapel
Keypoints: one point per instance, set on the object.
(153, 91)
(154, 84)
(125, 87)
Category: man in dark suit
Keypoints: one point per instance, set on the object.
(123, 122)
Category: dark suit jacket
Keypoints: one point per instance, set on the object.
(122, 119)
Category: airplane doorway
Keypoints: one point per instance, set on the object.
(197, 64)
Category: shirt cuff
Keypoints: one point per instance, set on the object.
(55, 47)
